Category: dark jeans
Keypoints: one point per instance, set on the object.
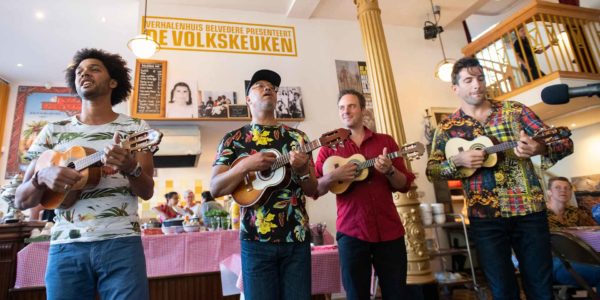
(274, 271)
(388, 258)
(528, 236)
(115, 268)
(589, 273)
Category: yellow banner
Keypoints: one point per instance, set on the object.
(218, 36)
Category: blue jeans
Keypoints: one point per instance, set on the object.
(115, 268)
(589, 273)
(358, 257)
(528, 236)
(273, 271)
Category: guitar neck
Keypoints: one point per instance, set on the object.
(285, 159)
(501, 147)
(371, 162)
(87, 161)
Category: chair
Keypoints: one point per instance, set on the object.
(568, 247)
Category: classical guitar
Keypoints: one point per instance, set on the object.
(257, 186)
(86, 161)
(410, 151)
(456, 145)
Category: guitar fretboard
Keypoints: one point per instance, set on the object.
(87, 161)
(285, 159)
(501, 147)
(371, 162)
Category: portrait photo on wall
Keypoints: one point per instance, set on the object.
(36, 106)
(353, 75)
(289, 103)
(181, 100)
(213, 104)
(587, 191)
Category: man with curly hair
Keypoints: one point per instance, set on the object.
(276, 262)
(95, 246)
(506, 203)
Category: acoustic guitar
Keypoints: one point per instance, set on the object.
(456, 145)
(410, 151)
(87, 162)
(257, 186)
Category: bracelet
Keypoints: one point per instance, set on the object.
(35, 182)
(390, 173)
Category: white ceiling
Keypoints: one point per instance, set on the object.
(45, 46)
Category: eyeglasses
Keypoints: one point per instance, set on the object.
(263, 86)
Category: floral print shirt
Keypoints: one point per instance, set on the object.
(106, 211)
(572, 216)
(282, 218)
(511, 187)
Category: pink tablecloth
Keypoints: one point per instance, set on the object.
(325, 265)
(198, 252)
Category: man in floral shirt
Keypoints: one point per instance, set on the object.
(96, 245)
(276, 262)
(505, 202)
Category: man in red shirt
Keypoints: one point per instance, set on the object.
(369, 230)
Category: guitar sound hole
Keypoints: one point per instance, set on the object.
(265, 173)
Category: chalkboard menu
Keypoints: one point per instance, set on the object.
(149, 88)
(238, 111)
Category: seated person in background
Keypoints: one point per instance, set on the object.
(169, 210)
(560, 215)
(191, 208)
(208, 203)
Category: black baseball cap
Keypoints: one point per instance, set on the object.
(266, 75)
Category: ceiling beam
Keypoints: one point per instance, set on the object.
(302, 9)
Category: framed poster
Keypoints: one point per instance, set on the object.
(213, 104)
(36, 106)
(289, 103)
(238, 111)
(440, 113)
(149, 89)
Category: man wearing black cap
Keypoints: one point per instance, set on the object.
(275, 242)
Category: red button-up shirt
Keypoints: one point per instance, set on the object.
(366, 210)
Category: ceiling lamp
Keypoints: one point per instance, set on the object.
(142, 45)
(443, 71)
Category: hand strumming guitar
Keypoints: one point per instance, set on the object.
(470, 159)
(528, 147)
(258, 161)
(57, 179)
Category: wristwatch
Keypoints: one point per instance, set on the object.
(136, 172)
(304, 177)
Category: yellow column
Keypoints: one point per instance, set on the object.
(389, 120)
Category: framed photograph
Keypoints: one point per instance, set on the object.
(213, 104)
(238, 111)
(181, 100)
(36, 106)
(289, 103)
(587, 191)
(440, 113)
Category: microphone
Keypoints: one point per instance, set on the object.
(561, 93)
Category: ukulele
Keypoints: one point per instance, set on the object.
(257, 186)
(456, 145)
(86, 162)
(410, 151)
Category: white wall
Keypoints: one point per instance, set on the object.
(585, 160)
